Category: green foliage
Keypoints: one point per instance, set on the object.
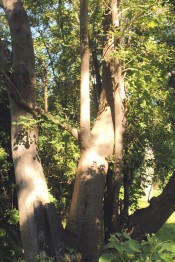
(122, 248)
(13, 216)
(147, 52)
(59, 155)
(2, 232)
(148, 56)
(27, 122)
(48, 259)
(3, 154)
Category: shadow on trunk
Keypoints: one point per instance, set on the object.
(86, 218)
(53, 241)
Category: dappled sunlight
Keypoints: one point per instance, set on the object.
(86, 221)
(103, 134)
(87, 202)
(38, 188)
(92, 160)
(93, 171)
(32, 189)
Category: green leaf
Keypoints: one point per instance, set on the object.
(126, 236)
(166, 257)
(152, 24)
(143, 104)
(13, 216)
(167, 246)
(2, 232)
(133, 245)
(108, 257)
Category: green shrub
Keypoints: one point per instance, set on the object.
(122, 248)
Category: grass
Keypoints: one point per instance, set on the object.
(167, 232)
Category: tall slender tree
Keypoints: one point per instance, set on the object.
(117, 67)
(30, 181)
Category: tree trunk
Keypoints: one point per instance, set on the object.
(119, 96)
(30, 181)
(86, 217)
(86, 213)
(108, 200)
(150, 219)
(86, 220)
(84, 84)
(116, 72)
(125, 210)
(45, 85)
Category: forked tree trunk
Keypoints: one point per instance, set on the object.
(150, 219)
(86, 218)
(30, 181)
(86, 215)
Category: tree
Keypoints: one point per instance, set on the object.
(91, 170)
(117, 39)
(150, 219)
(86, 218)
(153, 132)
(96, 147)
(30, 182)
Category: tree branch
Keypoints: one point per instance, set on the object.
(16, 96)
(73, 131)
(50, 57)
(150, 219)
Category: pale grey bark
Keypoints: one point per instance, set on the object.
(116, 67)
(84, 83)
(30, 181)
(86, 213)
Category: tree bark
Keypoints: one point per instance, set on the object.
(86, 213)
(150, 219)
(126, 196)
(108, 200)
(86, 220)
(111, 21)
(86, 217)
(30, 181)
(84, 83)
(119, 96)
(45, 85)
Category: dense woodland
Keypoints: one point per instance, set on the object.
(87, 122)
